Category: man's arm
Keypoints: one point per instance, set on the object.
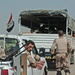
(31, 60)
(69, 48)
(37, 57)
(53, 47)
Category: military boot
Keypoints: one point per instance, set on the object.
(67, 72)
(59, 73)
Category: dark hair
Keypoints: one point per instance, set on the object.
(60, 32)
(30, 41)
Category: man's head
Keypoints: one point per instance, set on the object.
(30, 45)
(60, 33)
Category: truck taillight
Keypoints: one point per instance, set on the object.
(4, 72)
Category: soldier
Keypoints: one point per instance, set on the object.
(2, 53)
(33, 59)
(63, 48)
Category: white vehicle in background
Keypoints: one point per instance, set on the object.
(7, 43)
(12, 44)
(43, 28)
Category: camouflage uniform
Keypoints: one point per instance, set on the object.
(63, 48)
(33, 59)
(2, 53)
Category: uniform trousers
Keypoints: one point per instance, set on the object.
(62, 61)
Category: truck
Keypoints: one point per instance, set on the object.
(43, 27)
(8, 43)
(16, 62)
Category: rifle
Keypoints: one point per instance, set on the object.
(14, 53)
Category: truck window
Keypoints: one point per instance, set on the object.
(9, 43)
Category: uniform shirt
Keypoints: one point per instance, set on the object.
(62, 45)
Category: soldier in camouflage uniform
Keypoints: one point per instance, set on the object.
(2, 53)
(63, 48)
(33, 59)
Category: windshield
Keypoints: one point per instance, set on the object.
(9, 43)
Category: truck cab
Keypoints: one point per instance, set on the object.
(9, 44)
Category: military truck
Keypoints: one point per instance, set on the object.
(44, 25)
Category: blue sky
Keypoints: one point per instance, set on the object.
(17, 6)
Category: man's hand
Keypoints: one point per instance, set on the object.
(40, 64)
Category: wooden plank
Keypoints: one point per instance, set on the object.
(24, 63)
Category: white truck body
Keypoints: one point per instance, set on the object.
(6, 67)
(44, 26)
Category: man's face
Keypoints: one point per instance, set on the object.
(30, 47)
